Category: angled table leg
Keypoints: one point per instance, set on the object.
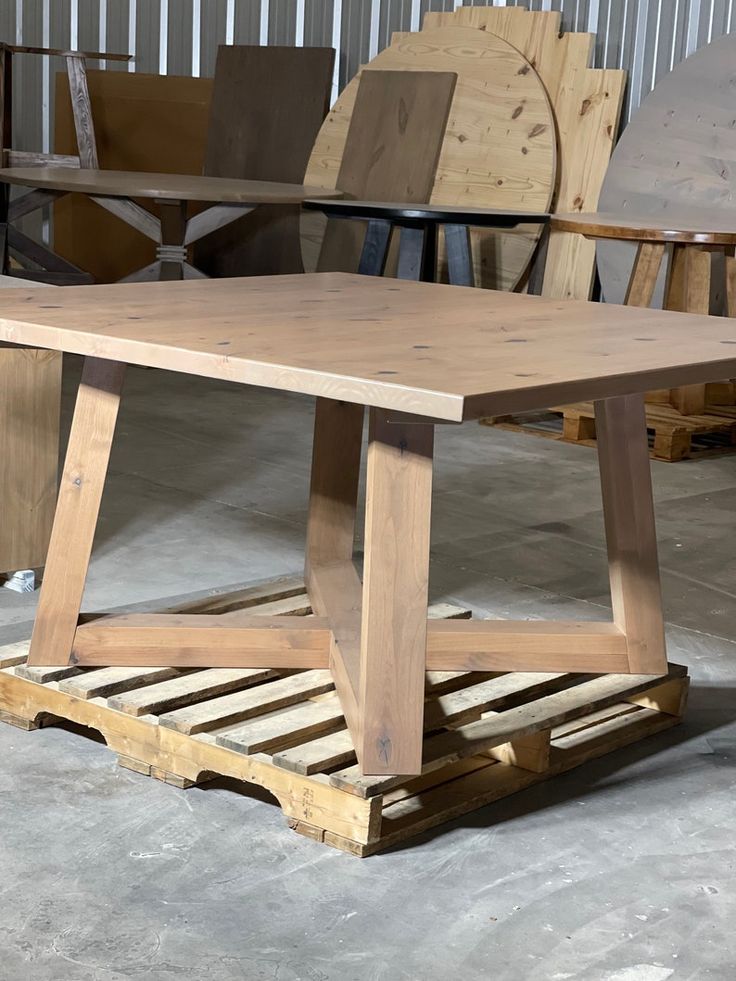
(395, 582)
(628, 508)
(330, 576)
(80, 492)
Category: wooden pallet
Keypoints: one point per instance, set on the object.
(673, 437)
(487, 736)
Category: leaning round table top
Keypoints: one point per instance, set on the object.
(175, 187)
(500, 147)
(676, 156)
(705, 229)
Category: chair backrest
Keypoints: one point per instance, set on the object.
(268, 104)
(391, 152)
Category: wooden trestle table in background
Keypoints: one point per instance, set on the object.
(415, 355)
(173, 232)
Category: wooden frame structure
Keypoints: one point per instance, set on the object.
(374, 635)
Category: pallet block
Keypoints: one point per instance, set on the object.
(486, 735)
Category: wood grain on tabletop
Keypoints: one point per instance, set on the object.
(381, 342)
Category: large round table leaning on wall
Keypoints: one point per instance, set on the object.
(173, 232)
(691, 243)
(419, 225)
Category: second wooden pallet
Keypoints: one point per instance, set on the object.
(673, 437)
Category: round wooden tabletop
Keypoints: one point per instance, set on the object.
(176, 187)
(440, 214)
(706, 229)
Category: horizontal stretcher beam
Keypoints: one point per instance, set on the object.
(241, 640)
(201, 640)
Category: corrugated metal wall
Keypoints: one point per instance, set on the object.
(647, 37)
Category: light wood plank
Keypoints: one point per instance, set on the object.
(626, 486)
(229, 710)
(82, 482)
(174, 693)
(113, 681)
(395, 582)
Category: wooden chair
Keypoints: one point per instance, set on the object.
(268, 104)
(391, 154)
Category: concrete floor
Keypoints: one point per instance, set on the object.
(620, 871)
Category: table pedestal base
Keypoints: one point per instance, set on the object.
(374, 636)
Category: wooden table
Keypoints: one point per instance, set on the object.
(357, 342)
(692, 239)
(419, 224)
(173, 232)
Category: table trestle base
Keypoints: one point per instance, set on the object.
(374, 636)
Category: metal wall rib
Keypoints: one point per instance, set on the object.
(647, 37)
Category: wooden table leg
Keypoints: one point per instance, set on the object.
(330, 576)
(688, 290)
(626, 487)
(395, 578)
(80, 492)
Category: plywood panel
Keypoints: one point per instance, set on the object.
(499, 150)
(152, 123)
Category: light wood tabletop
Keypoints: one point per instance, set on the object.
(704, 228)
(421, 348)
(176, 187)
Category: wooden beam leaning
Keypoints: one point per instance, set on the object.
(203, 640)
(628, 509)
(80, 492)
(330, 577)
(395, 583)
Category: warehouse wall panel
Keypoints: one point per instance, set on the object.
(647, 37)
